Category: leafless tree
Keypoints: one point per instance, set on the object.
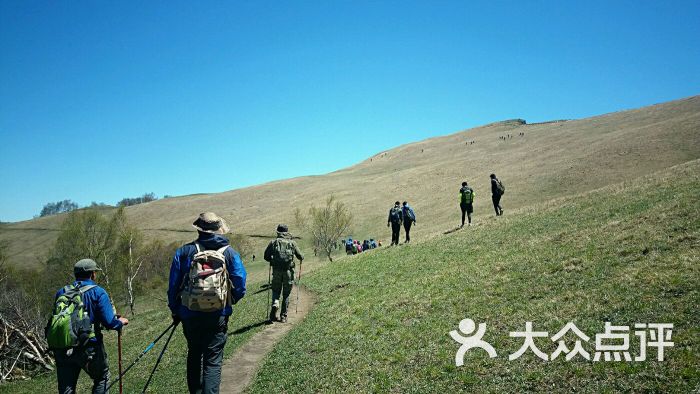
(325, 224)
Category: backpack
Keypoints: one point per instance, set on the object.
(395, 214)
(282, 254)
(354, 249)
(466, 195)
(500, 187)
(410, 214)
(69, 326)
(206, 286)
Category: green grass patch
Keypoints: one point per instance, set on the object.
(625, 254)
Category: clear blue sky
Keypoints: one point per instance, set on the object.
(104, 100)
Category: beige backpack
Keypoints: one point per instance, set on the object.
(207, 286)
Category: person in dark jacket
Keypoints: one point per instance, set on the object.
(92, 358)
(282, 271)
(395, 219)
(466, 202)
(205, 332)
(409, 218)
(496, 194)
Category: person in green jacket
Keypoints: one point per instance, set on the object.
(280, 253)
(466, 202)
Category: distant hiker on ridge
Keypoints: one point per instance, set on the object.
(84, 348)
(497, 191)
(409, 217)
(395, 219)
(206, 277)
(466, 202)
(280, 253)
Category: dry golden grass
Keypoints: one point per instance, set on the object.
(552, 160)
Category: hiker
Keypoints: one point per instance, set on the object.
(497, 191)
(206, 278)
(280, 253)
(466, 202)
(395, 219)
(84, 347)
(373, 243)
(348, 246)
(409, 218)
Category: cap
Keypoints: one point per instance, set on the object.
(85, 266)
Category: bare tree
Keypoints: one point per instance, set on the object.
(325, 224)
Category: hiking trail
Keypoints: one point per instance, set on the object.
(240, 369)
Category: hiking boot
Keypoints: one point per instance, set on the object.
(273, 314)
(283, 318)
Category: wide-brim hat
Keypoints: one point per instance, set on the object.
(209, 222)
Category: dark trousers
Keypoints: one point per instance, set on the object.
(467, 210)
(206, 337)
(407, 227)
(91, 359)
(497, 204)
(282, 283)
(395, 230)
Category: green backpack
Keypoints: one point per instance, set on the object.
(70, 325)
(466, 195)
(282, 254)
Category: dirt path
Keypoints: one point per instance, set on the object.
(240, 369)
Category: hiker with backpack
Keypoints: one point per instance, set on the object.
(206, 278)
(280, 253)
(466, 202)
(498, 189)
(74, 331)
(395, 219)
(409, 218)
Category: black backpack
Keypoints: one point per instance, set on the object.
(395, 214)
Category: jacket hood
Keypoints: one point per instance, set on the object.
(212, 241)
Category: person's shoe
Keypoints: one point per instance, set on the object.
(469, 225)
(283, 318)
(273, 314)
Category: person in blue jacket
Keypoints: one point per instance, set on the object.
(205, 332)
(92, 357)
(409, 218)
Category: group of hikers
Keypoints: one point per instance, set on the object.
(207, 278)
(353, 246)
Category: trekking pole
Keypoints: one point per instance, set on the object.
(119, 347)
(269, 291)
(298, 284)
(148, 348)
(160, 356)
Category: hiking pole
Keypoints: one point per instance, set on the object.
(160, 356)
(148, 348)
(269, 290)
(119, 347)
(298, 284)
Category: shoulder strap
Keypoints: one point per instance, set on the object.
(221, 250)
(196, 245)
(84, 289)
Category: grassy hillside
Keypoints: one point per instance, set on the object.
(626, 253)
(551, 160)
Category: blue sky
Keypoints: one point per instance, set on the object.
(104, 100)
